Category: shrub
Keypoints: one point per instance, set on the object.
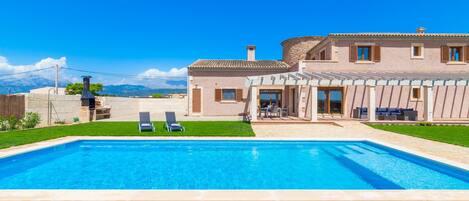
(76, 119)
(30, 120)
(3, 124)
(13, 123)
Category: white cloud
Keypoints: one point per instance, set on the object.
(7, 68)
(156, 78)
(173, 73)
(152, 77)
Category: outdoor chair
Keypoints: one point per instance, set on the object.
(145, 123)
(171, 123)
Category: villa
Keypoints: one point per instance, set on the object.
(371, 76)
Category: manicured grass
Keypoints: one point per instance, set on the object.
(205, 128)
(458, 135)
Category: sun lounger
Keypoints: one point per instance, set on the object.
(171, 123)
(145, 123)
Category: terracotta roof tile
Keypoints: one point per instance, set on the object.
(212, 64)
(431, 35)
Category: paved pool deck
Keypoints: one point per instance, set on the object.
(347, 130)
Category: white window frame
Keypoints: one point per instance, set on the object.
(412, 56)
(412, 93)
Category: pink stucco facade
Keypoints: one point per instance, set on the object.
(395, 56)
(209, 81)
(450, 102)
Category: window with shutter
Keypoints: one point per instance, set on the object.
(239, 95)
(217, 95)
(444, 54)
(364, 53)
(353, 53)
(376, 53)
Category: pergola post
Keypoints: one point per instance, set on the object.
(371, 103)
(314, 103)
(428, 104)
(253, 109)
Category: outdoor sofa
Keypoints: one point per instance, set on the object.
(387, 113)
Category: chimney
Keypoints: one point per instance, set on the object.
(251, 52)
(421, 30)
(87, 98)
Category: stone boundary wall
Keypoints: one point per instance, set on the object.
(66, 107)
(127, 109)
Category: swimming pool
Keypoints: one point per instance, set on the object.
(225, 164)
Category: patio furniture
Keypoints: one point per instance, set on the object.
(263, 110)
(406, 114)
(145, 123)
(284, 112)
(275, 111)
(409, 115)
(171, 123)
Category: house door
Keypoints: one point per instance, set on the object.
(196, 100)
(330, 100)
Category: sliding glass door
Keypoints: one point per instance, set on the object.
(270, 97)
(330, 100)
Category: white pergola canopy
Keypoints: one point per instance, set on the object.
(362, 78)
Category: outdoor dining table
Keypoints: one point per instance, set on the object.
(279, 112)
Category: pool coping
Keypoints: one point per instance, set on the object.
(338, 195)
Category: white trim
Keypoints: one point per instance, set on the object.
(422, 50)
(412, 93)
(428, 104)
(364, 62)
(357, 78)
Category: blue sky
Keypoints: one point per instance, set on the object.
(124, 36)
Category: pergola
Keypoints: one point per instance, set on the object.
(369, 79)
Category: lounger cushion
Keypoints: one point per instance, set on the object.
(175, 125)
(145, 124)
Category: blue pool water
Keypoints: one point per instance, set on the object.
(201, 164)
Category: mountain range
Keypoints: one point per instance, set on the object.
(12, 86)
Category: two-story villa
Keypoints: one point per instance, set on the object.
(341, 76)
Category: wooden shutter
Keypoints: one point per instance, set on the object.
(444, 54)
(353, 53)
(217, 95)
(239, 95)
(376, 52)
(466, 51)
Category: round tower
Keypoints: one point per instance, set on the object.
(295, 49)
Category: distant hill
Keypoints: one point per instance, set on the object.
(136, 90)
(24, 85)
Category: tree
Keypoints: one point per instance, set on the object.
(157, 95)
(77, 88)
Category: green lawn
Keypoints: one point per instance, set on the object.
(202, 128)
(458, 135)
